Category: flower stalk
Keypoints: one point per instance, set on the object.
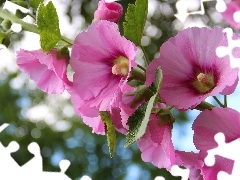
(219, 102)
(145, 56)
(25, 26)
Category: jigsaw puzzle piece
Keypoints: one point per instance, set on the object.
(227, 150)
(7, 162)
(34, 164)
(3, 126)
(232, 14)
(224, 159)
(177, 171)
(64, 164)
(221, 164)
(221, 6)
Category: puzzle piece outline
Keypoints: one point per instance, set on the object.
(226, 150)
(33, 169)
(182, 16)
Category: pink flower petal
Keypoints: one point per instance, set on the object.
(221, 164)
(227, 15)
(156, 144)
(208, 123)
(191, 161)
(46, 70)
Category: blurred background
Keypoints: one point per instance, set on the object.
(50, 120)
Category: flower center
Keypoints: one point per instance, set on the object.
(120, 66)
(203, 82)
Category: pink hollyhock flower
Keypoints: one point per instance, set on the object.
(208, 123)
(198, 170)
(46, 70)
(206, 126)
(111, 11)
(191, 161)
(228, 15)
(156, 144)
(101, 60)
(125, 103)
(191, 69)
(90, 115)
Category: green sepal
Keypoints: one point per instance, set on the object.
(142, 93)
(165, 116)
(137, 74)
(63, 53)
(135, 21)
(138, 121)
(110, 131)
(62, 49)
(48, 26)
(135, 83)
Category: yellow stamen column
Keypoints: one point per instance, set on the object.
(203, 82)
(121, 66)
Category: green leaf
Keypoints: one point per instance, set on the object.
(110, 131)
(48, 26)
(140, 118)
(135, 21)
(35, 3)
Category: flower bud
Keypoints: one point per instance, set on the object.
(111, 11)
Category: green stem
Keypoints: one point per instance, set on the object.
(25, 26)
(225, 100)
(32, 16)
(145, 55)
(67, 40)
(142, 68)
(219, 102)
(14, 19)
